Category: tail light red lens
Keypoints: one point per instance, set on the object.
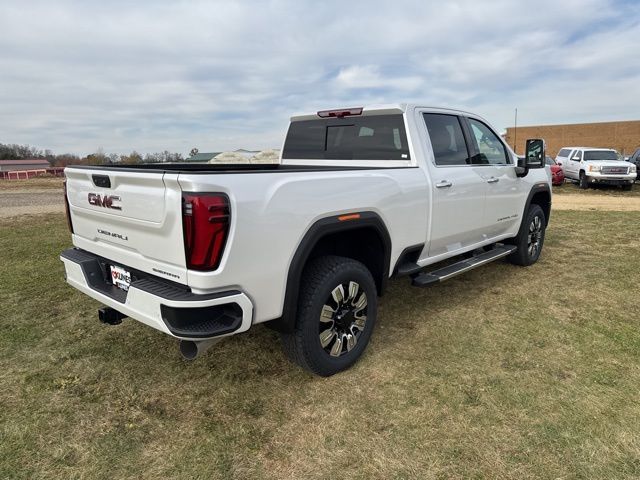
(205, 223)
(66, 206)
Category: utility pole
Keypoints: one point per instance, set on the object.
(515, 132)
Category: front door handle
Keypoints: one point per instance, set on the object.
(443, 184)
(493, 180)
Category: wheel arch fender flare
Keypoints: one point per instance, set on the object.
(317, 231)
(539, 190)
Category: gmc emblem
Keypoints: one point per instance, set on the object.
(106, 201)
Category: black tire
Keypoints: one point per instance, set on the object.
(320, 279)
(530, 238)
(583, 183)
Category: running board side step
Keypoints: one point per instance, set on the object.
(445, 273)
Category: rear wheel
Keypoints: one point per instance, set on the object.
(337, 310)
(583, 182)
(530, 239)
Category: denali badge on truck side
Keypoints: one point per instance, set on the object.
(105, 201)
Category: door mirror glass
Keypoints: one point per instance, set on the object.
(534, 156)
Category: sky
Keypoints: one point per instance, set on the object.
(168, 75)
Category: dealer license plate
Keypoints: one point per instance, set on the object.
(120, 277)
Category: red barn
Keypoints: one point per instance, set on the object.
(15, 169)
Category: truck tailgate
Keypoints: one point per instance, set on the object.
(131, 218)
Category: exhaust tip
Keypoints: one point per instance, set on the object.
(189, 349)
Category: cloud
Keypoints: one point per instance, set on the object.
(75, 76)
(369, 77)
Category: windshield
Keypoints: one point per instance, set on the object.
(550, 161)
(600, 155)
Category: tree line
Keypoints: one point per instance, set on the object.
(99, 157)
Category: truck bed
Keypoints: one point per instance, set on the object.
(226, 168)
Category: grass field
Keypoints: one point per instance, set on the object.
(504, 372)
(38, 183)
(603, 190)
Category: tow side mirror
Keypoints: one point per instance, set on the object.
(534, 156)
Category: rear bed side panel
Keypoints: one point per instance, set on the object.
(145, 233)
(272, 212)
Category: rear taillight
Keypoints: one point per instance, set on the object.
(205, 223)
(66, 206)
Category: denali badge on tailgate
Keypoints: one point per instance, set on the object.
(105, 201)
(113, 234)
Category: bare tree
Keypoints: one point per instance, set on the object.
(132, 158)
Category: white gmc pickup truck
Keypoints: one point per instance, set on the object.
(596, 166)
(202, 252)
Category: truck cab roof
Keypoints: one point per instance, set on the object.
(381, 109)
(590, 149)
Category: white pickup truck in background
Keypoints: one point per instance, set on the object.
(596, 166)
(202, 252)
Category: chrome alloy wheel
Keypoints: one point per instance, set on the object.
(535, 236)
(342, 319)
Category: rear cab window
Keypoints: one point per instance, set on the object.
(370, 137)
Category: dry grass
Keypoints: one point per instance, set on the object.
(596, 202)
(603, 198)
(504, 372)
(26, 197)
(38, 183)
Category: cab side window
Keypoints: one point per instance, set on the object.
(447, 139)
(577, 156)
(491, 150)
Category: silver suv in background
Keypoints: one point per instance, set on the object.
(590, 166)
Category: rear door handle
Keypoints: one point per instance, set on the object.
(443, 184)
(493, 180)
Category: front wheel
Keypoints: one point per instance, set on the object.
(583, 183)
(337, 309)
(530, 238)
